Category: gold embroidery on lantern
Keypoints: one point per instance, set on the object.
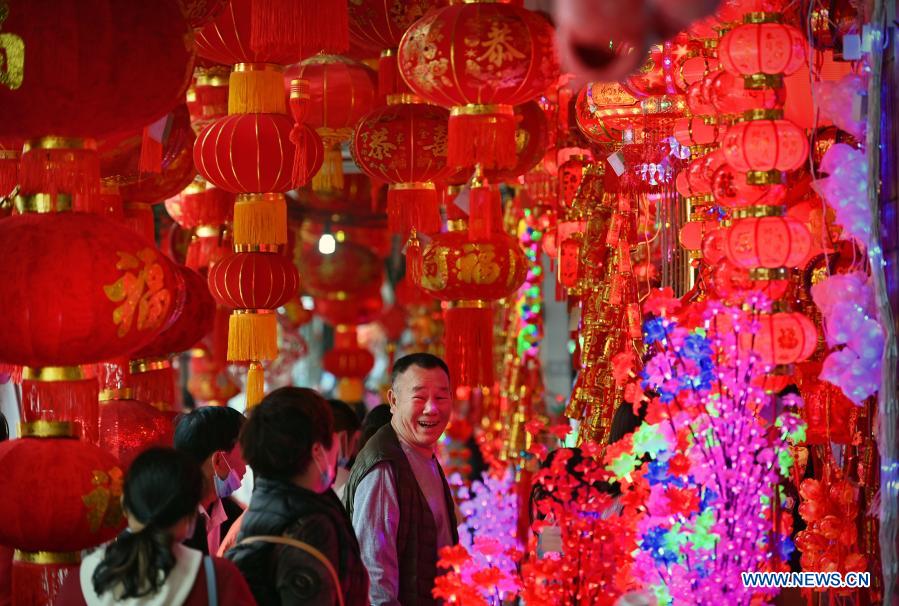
(12, 55)
(143, 294)
(378, 144)
(103, 503)
(435, 273)
(477, 265)
(498, 45)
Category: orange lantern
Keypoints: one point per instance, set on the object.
(469, 274)
(768, 242)
(341, 92)
(404, 144)
(480, 59)
(782, 338)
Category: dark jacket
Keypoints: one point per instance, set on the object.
(287, 575)
(198, 540)
(416, 540)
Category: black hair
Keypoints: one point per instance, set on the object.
(4, 428)
(377, 417)
(345, 418)
(420, 359)
(207, 430)
(162, 487)
(625, 421)
(278, 437)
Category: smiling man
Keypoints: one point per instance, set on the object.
(397, 495)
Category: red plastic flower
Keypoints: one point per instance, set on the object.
(661, 302)
(453, 557)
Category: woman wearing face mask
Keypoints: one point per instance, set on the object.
(147, 564)
(296, 543)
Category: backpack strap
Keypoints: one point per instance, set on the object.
(318, 555)
(211, 587)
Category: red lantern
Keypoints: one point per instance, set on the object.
(350, 268)
(121, 162)
(247, 153)
(128, 427)
(713, 245)
(695, 131)
(471, 273)
(253, 280)
(782, 338)
(201, 203)
(341, 92)
(10, 155)
(730, 97)
(602, 110)
(207, 98)
(531, 139)
(768, 242)
(765, 145)
(63, 496)
(404, 144)
(757, 51)
(78, 289)
(732, 282)
(730, 189)
(353, 308)
(200, 12)
(347, 359)
(481, 59)
(370, 235)
(87, 68)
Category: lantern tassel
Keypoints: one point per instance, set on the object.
(260, 219)
(414, 258)
(468, 340)
(330, 177)
(73, 400)
(304, 165)
(308, 26)
(255, 384)
(256, 91)
(252, 335)
(53, 170)
(482, 138)
(413, 207)
(9, 171)
(150, 153)
(155, 385)
(36, 584)
(205, 251)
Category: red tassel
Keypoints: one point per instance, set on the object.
(54, 165)
(413, 206)
(74, 400)
(12, 371)
(153, 382)
(468, 339)
(309, 151)
(390, 82)
(150, 153)
(39, 584)
(139, 218)
(300, 27)
(478, 137)
(483, 211)
(414, 259)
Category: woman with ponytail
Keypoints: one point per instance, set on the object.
(147, 564)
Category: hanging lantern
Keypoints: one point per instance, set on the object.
(695, 131)
(404, 144)
(129, 426)
(762, 50)
(531, 140)
(731, 282)
(350, 268)
(480, 59)
(764, 144)
(340, 307)
(730, 189)
(828, 413)
(78, 289)
(602, 110)
(64, 495)
(469, 274)
(341, 92)
(731, 98)
(347, 359)
(207, 98)
(782, 338)
(767, 241)
(199, 204)
(10, 155)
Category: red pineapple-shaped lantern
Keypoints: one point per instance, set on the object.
(480, 59)
(404, 144)
(469, 274)
(341, 91)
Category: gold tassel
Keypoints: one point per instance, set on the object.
(255, 384)
(256, 88)
(252, 335)
(260, 219)
(330, 177)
